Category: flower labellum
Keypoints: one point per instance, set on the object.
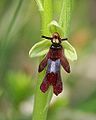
(53, 60)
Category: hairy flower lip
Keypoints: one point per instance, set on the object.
(52, 80)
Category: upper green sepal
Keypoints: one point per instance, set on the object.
(55, 27)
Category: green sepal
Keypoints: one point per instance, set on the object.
(69, 51)
(55, 27)
(40, 48)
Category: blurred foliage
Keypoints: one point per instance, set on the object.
(19, 87)
(19, 30)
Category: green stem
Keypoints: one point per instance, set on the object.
(65, 16)
(42, 100)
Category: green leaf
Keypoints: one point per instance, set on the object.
(65, 16)
(69, 50)
(55, 27)
(40, 48)
(39, 4)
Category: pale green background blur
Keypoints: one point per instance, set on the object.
(19, 30)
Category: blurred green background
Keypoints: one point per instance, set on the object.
(19, 30)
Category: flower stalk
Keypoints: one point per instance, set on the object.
(42, 100)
